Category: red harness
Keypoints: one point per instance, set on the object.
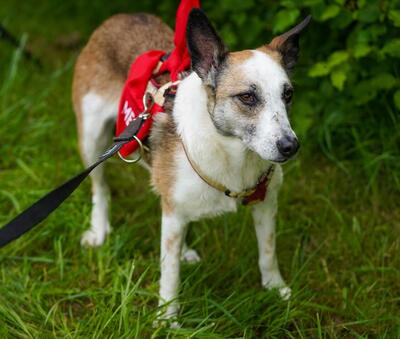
(144, 69)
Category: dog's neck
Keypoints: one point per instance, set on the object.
(225, 159)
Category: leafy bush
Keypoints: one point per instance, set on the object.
(348, 87)
(347, 97)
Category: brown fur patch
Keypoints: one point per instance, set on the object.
(164, 144)
(240, 57)
(272, 52)
(171, 243)
(231, 80)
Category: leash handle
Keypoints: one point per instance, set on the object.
(42, 208)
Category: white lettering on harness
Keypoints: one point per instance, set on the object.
(129, 115)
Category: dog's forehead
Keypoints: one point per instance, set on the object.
(261, 67)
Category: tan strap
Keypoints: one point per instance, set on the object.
(158, 94)
(220, 187)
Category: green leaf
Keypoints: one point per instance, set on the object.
(311, 3)
(362, 36)
(375, 31)
(396, 98)
(384, 81)
(394, 15)
(318, 70)
(229, 37)
(363, 92)
(392, 48)
(337, 58)
(236, 4)
(338, 78)
(361, 50)
(368, 14)
(330, 12)
(288, 3)
(366, 90)
(303, 115)
(361, 3)
(324, 68)
(342, 21)
(284, 19)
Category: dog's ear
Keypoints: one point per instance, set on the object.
(205, 47)
(287, 44)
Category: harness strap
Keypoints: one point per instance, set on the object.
(42, 208)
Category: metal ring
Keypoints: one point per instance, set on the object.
(132, 161)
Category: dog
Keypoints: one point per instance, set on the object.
(228, 124)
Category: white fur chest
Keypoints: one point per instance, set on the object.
(194, 198)
(223, 159)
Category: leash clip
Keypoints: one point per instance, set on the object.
(148, 102)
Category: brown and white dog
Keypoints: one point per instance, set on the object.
(230, 114)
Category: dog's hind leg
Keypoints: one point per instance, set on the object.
(96, 126)
(264, 222)
(189, 255)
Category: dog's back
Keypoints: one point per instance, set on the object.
(103, 65)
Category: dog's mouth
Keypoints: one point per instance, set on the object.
(278, 159)
(281, 159)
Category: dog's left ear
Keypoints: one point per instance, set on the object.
(287, 44)
(205, 47)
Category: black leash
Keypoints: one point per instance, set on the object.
(42, 208)
(13, 41)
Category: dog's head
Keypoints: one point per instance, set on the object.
(249, 92)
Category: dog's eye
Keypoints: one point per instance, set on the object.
(248, 98)
(287, 95)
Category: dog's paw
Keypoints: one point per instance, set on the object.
(93, 238)
(164, 323)
(285, 292)
(190, 256)
(277, 283)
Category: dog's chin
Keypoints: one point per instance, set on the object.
(279, 160)
(274, 160)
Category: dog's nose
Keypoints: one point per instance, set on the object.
(288, 146)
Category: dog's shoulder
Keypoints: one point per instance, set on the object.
(163, 135)
(164, 145)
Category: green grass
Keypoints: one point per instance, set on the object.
(338, 234)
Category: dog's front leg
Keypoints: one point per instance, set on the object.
(264, 222)
(172, 233)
